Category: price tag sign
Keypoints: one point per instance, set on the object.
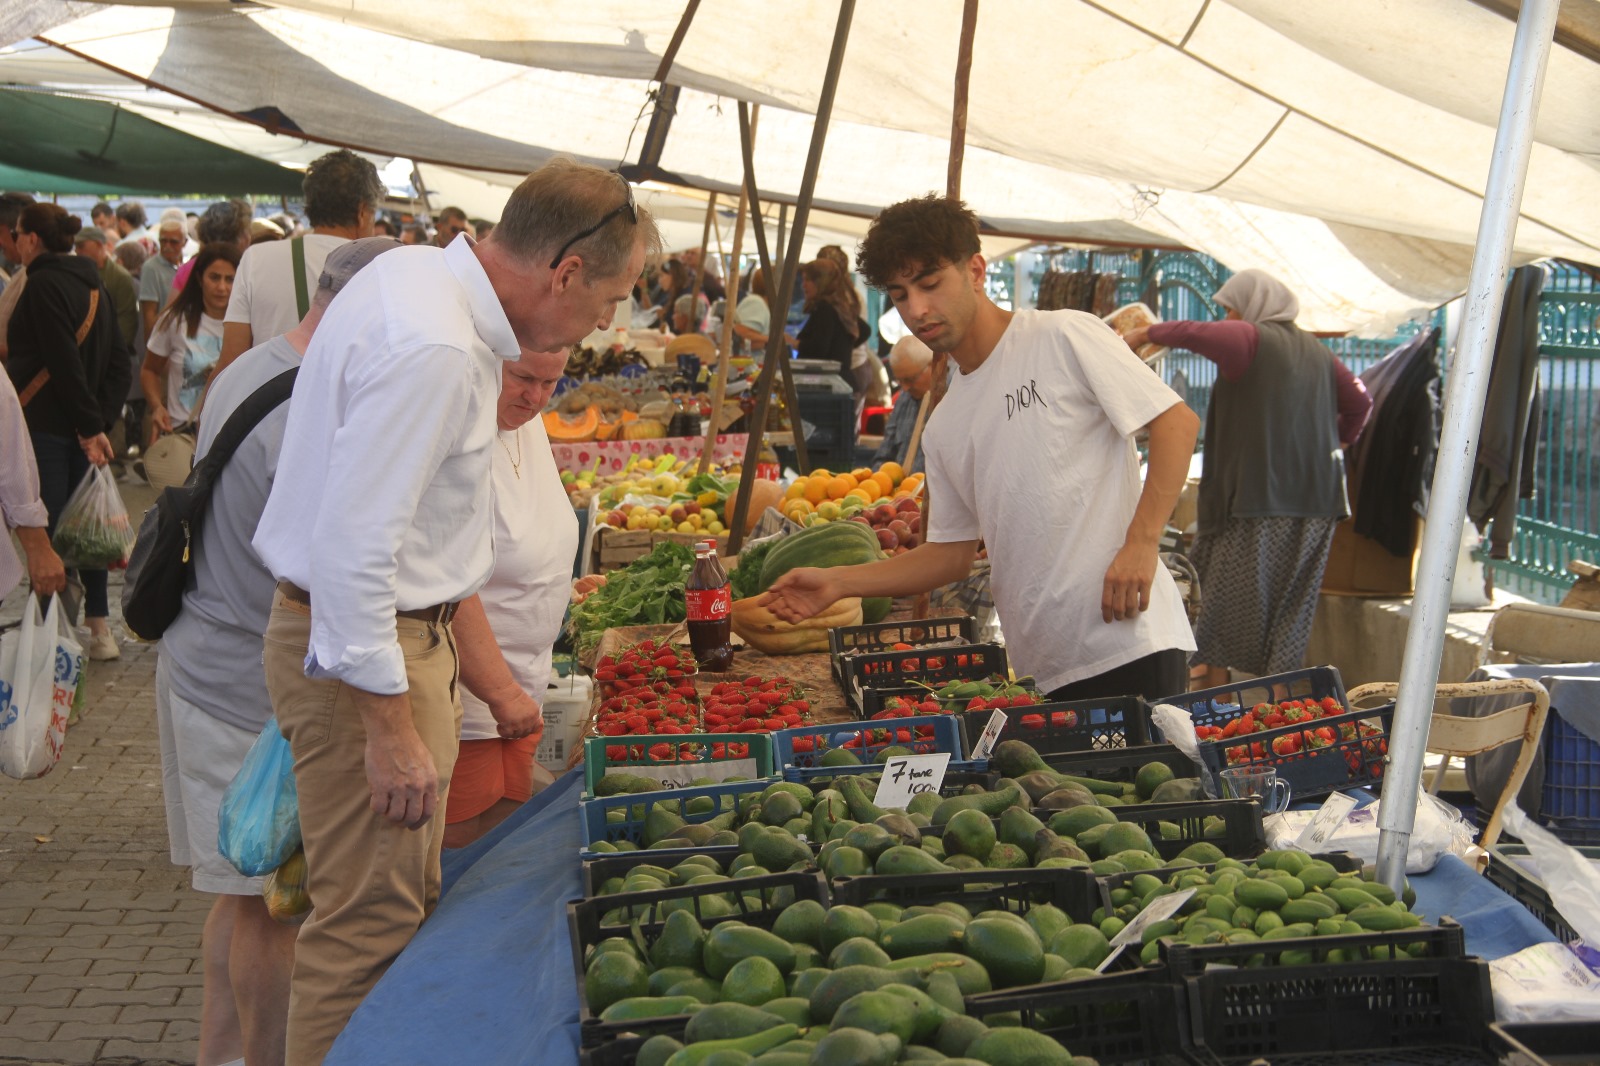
(910, 775)
(1326, 822)
(991, 733)
(1163, 908)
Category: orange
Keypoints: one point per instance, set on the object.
(794, 507)
(863, 494)
(861, 473)
(883, 485)
(797, 490)
(822, 472)
(895, 472)
(840, 486)
(816, 488)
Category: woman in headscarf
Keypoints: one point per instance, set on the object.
(1272, 488)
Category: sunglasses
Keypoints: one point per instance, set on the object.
(626, 205)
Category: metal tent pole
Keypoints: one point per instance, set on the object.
(1458, 445)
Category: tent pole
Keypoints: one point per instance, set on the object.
(783, 228)
(791, 264)
(1458, 446)
(958, 153)
(720, 392)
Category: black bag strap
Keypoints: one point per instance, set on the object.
(244, 418)
(302, 297)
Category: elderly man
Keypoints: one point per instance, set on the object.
(911, 364)
(270, 292)
(91, 244)
(155, 280)
(379, 525)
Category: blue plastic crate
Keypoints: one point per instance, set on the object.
(1347, 763)
(945, 737)
(592, 813)
(1571, 777)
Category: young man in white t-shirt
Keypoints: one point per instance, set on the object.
(342, 194)
(1032, 452)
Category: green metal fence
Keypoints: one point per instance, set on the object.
(1562, 520)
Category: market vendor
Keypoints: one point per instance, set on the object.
(506, 632)
(1033, 453)
(1273, 486)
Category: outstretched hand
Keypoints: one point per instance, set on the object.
(800, 594)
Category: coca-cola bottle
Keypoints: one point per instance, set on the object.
(709, 603)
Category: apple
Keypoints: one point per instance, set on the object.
(616, 520)
(887, 540)
(915, 522)
(906, 503)
(899, 529)
(882, 514)
(910, 540)
(677, 514)
(691, 508)
(862, 518)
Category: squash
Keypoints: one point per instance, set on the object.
(771, 635)
(610, 428)
(563, 430)
(831, 544)
(643, 429)
(764, 493)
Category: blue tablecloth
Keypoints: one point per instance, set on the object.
(488, 980)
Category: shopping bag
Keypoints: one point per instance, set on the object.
(94, 531)
(40, 667)
(259, 827)
(286, 890)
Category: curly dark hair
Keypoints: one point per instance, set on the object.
(52, 225)
(336, 187)
(928, 231)
(227, 220)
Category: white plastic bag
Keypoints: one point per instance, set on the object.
(1571, 879)
(94, 531)
(1438, 828)
(40, 667)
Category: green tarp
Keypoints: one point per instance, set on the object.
(60, 144)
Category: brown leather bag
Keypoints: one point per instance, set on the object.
(42, 378)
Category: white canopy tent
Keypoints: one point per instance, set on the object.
(1266, 134)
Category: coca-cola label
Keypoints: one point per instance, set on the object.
(708, 605)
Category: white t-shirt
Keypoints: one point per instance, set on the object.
(263, 286)
(189, 360)
(535, 543)
(1034, 453)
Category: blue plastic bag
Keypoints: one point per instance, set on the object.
(259, 827)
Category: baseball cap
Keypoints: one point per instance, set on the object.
(345, 261)
(89, 233)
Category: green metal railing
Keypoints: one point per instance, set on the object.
(1562, 520)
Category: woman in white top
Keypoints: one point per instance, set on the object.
(507, 630)
(187, 340)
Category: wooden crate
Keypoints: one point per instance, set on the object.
(614, 548)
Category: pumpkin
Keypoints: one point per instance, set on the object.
(563, 430)
(764, 493)
(643, 429)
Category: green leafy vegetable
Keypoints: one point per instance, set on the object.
(648, 591)
(746, 577)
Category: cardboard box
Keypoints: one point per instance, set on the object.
(614, 548)
(1359, 566)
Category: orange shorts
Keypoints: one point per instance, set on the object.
(488, 771)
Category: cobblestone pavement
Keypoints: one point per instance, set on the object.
(99, 932)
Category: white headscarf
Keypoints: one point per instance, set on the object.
(1258, 297)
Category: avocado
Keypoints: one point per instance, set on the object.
(754, 981)
(1010, 1045)
(837, 987)
(1009, 951)
(857, 951)
(729, 942)
(1014, 758)
(1151, 776)
(1081, 945)
(924, 933)
(843, 922)
(727, 1021)
(901, 859)
(1020, 827)
(613, 976)
(871, 838)
(839, 757)
(1063, 799)
(1125, 836)
(901, 828)
(971, 832)
(680, 942)
(1178, 790)
(801, 923)
(877, 1011)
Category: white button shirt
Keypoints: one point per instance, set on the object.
(382, 500)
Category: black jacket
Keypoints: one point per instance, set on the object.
(88, 384)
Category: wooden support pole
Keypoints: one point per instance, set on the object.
(719, 392)
(791, 265)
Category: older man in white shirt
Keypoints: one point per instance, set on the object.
(379, 524)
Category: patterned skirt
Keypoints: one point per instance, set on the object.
(1259, 580)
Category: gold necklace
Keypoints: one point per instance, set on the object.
(516, 463)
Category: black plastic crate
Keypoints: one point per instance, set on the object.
(600, 869)
(1073, 726)
(1548, 1043)
(874, 699)
(918, 670)
(1342, 861)
(1120, 764)
(1117, 1018)
(883, 636)
(1345, 763)
(1332, 1011)
(1243, 836)
(1447, 940)
(644, 914)
(977, 890)
(1525, 887)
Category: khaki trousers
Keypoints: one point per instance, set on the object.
(372, 882)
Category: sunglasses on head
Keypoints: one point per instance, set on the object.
(626, 205)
